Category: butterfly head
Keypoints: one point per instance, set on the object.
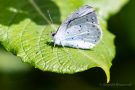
(56, 38)
(53, 34)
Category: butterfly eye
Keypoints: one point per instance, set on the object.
(53, 34)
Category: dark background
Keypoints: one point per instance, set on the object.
(122, 71)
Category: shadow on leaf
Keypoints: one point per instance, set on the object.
(67, 47)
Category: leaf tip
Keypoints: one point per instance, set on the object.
(107, 72)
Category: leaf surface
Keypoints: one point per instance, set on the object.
(25, 30)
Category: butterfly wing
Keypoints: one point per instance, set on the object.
(81, 12)
(85, 37)
(80, 29)
(75, 16)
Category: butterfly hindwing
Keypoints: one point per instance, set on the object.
(85, 36)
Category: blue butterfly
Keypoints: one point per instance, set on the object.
(80, 30)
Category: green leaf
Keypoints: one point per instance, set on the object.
(25, 30)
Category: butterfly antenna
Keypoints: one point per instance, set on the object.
(33, 3)
(51, 19)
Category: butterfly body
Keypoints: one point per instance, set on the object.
(80, 30)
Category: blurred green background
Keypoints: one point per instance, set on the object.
(15, 75)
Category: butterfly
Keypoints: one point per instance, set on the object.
(81, 29)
